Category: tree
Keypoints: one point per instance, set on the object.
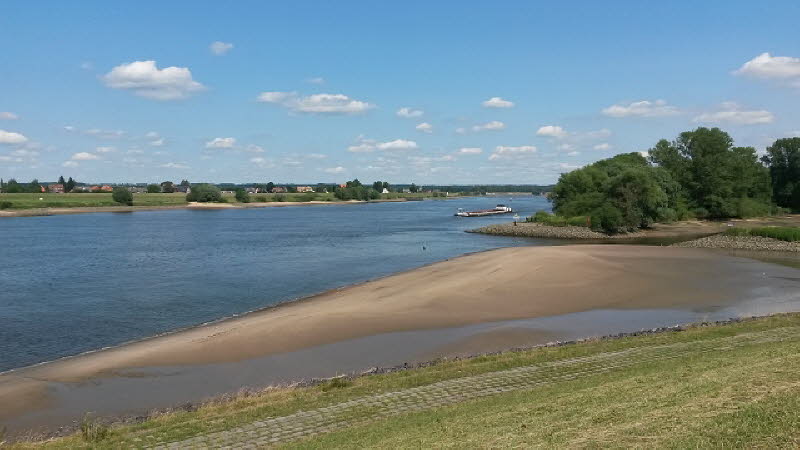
(783, 161)
(204, 193)
(70, 185)
(353, 183)
(12, 187)
(122, 195)
(61, 180)
(270, 186)
(242, 196)
(380, 186)
(185, 183)
(413, 188)
(34, 186)
(717, 178)
(167, 187)
(153, 189)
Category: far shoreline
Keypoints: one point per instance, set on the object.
(44, 212)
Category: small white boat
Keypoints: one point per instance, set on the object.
(499, 209)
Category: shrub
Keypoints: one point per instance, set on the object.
(261, 198)
(92, 431)
(279, 198)
(242, 196)
(6, 205)
(608, 219)
(541, 216)
(747, 207)
(122, 195)
(700, 213)
(153, 189)
(578, 221)
(308, 197)
(204, 193)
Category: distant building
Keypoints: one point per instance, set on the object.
(56, 188)
(137, 190)
(80, 189)
(385, 191)
(305, 189)
(183, 189)
(106, 188)
(278, 190)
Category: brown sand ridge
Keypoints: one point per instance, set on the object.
(512, 283)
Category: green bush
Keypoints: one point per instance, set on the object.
(541, 216)
(204, 193)
(608, 219)
(700, 213)
(748, 207)
(308, 197)
(153, 189)
(122, 195)
(242, 196)
(6, 205)
(578, 221)
(279, 198)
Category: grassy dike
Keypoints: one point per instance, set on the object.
(726, 385)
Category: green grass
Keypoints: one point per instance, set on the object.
(788, 234)
(29, 201)
(746, 396)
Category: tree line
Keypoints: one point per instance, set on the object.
(700, 174)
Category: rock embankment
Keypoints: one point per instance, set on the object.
(528, 229)
(742, 243)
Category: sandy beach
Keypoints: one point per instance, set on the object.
(504, 284)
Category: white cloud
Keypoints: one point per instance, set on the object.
(157, 143)
(573, 153)
(566, 147)
(644, 108)
(5, 115)
(10, 137)
(337, 169)
(497, 102)
(604, 146)
(69, 164)
(317, 103)
(470, 151)
(768, 67)
(84, 156)
(105, 149)
(361, 148)
(494, 125)
(409, 113)
(733, 113)
(152, 135)
(397, 144)
(316, 80)
(69, 128)
(425, 127)
(504, 152)
(103, 134)
(252, 148)
(143, 78)
(317, 156)
(262, 163)
(568, 166)
(219, 142)
(220, 48)
(173, 165)
(551, 131)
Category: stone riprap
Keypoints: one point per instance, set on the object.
(742, 243)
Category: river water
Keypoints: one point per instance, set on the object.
(74, 283)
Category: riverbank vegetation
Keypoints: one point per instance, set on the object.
(788, 234)
(701, 174)
(639, 400)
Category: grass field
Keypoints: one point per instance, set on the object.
(735, 385)
(788, 234)
(29, 201)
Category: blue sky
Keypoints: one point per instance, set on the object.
(495, 92)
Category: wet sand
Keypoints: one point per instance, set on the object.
(493, 286)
